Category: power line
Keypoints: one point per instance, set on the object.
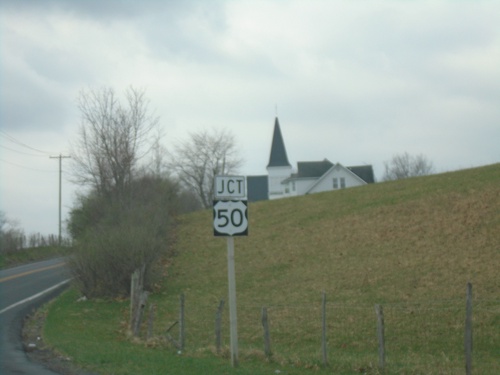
(22, 153)
(28, 168)
(19, 143)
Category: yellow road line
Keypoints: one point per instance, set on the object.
(31, 272)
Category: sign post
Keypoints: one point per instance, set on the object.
(231, 219)
(233, 320)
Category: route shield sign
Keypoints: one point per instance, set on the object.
(230, 218)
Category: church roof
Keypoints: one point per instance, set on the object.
(312, 168)
(278, 157)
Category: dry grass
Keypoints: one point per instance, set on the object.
(410, 245)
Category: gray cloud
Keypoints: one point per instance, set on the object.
(29, 102)
(98, 9)
(354, 82)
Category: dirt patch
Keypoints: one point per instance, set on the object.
(39, 351)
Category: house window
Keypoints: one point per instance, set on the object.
(338, 181)
(293, 185)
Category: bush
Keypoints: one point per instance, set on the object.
(114, 238)
(106, 258)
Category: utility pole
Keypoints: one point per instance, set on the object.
(60, 157)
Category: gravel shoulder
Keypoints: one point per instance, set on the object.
(39, 351)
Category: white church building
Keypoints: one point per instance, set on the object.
(309, 177)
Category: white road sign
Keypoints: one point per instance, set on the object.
(230, 218)
(230, 187)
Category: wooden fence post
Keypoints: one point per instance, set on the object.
(468, 331)
(133, 287)
(134, 296)
(182, 326)
(380, 336)
(137, 299)
(323, 335)
(267, 338)
(218, 323)
(143, 298)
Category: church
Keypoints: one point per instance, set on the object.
(310, 177)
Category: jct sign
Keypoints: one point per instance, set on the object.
(230, 187)
(230, 208)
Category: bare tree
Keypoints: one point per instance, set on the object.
(203, 156)
(12, 238)
(113, 137)
(405, 165)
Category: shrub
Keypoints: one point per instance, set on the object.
(106, 257)
(114, 238)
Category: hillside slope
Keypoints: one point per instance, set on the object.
(420, 238)
(411, 245)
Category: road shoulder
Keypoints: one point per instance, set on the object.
(39, 351)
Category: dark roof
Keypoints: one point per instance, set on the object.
(312, 168)
(316, 169)
(257, 187)
(365, 172)
(278, 157)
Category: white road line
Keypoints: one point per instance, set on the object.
(35, 296)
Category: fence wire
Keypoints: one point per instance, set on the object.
(427, 336)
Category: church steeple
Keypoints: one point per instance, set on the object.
(278, 157)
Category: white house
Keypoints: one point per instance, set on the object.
(310, 177)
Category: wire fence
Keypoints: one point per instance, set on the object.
(424, 337)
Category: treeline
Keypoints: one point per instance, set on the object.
(14, 239)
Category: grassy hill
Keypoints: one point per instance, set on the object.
(410, 245)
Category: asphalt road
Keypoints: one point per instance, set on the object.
(23, 289)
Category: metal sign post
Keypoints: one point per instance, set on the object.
(233, 320)
(231, 219)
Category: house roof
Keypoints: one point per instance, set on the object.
(278, 157)
(365, 172)
(317, 169)
(336, 166)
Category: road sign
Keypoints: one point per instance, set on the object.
(230, 218)
(230, 187)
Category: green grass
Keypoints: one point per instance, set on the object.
(29, 255)
(93, 334)
(410, 245)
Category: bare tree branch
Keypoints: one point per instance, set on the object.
(404, 166)
(204, 155)
(112, 139)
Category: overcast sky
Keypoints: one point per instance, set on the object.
(351, 81)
